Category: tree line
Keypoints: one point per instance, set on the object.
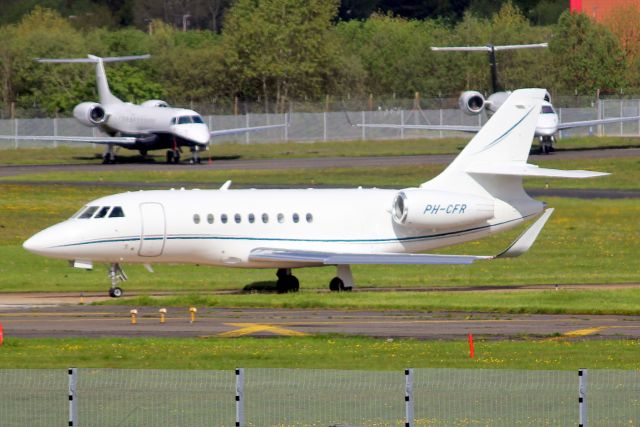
(276, 51)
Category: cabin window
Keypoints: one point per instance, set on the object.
(280, 218)
(89, 212)
(102, 212)
(252, 218)
(210, 218)
(196, 218)
(237, 218)
(223, 218)
(116, 212)
(309, 218)
(265, 218)
(296, 218)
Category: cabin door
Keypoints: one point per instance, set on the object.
(153, 229)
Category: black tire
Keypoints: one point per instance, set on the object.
(169, 156)
(294, 284)
(281, 286)
(116, 292)
(336, 284)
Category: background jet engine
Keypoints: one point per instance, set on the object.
(435, 210)
(471, 102)
(90, 114)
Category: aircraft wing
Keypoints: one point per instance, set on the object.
(250, 129)
(459, 128)
(115, 140)
(521, 245)
(569, 125)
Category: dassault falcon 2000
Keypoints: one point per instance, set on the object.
(152, 125)
(472, 103)
(480, 193)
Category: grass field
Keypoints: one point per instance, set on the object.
(327, 352)
(81, 154)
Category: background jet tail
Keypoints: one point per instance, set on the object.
(106, 97)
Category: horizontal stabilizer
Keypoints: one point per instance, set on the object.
(489, 48)
(92, 59)
(526, 239)
(526, 169)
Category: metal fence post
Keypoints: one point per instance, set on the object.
(15, 132)
(324, 125)
(240, 397)
(73, 401)
(401, 124)
(247, 138)
(287, 120)
(582, 397)
(364, 135)
(408, 397)
(55, 131)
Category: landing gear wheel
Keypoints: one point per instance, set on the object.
(108, 158)
(169, 156)
(336, 284)
(287, 284)
(116, 292)
(173, 156)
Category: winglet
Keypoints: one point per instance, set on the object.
(526, 239)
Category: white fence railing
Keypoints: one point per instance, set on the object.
(334, 126)
(318, 397)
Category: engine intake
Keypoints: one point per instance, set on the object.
(471, 102)
(436, 209)
(90, 113)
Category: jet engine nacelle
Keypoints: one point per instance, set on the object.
(436, 209)
(471, 102)
(90, 113)
(155, 103)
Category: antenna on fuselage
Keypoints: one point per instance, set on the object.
(491, 49)
(104, 93)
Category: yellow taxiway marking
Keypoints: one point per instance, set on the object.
(251, 328)
(584, 332)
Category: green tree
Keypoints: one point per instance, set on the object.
(586, 56)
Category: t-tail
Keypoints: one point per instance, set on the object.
(495, 160)
(106, 97)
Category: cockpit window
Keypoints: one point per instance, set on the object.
(197, 119)
(116, 212)
(77, 214)
(547, 109)
(173, 120)
(88, 213)
(102, 212)
(184, 120)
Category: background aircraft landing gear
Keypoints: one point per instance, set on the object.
(286, 281)
(343, 280)
(195, 153)
(546, 144)
(173, 156)
(117, 275)
(108, 157)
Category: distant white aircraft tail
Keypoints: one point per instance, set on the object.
(495, 160)
(106, 97)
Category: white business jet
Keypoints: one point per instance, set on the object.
(152, 125)
(472, 103)
(480, 193)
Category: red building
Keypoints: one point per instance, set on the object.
(598, 9)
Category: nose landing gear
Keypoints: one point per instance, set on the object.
(117, 275)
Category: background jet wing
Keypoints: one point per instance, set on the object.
(569, 125)
(458, 128)
(116, 140)
(521, 245)
(250, 129)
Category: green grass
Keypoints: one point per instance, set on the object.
(327, 352)
(82, 154)
(613, 301)
(625, 174)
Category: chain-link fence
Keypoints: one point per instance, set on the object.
(310, 398)
(338, 126)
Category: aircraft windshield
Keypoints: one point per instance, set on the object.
(183, 120)
(89, 211)
(547, 109)
(197, 119)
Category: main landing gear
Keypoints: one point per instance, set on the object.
(117, 275)
(109, 156)
(343, 280)
(173, 156)
(287, 282)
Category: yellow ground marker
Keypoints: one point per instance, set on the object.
(584, 332)
(252, 328)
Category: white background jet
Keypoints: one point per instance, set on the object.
(472, 102)
(480, 193)
(152, 125)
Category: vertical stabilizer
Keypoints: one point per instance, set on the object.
(505, 139)
(104, 93)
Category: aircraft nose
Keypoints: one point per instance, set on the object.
(196, 132)
(36, 244)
